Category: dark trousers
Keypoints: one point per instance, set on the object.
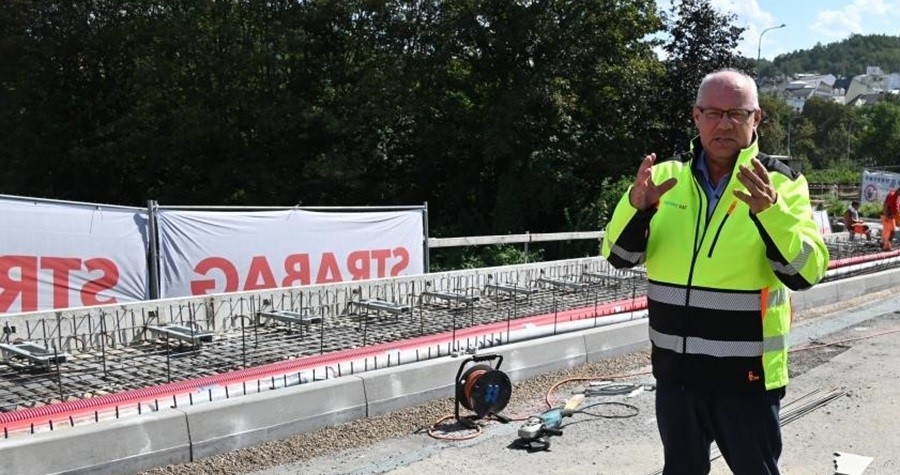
(744, 425)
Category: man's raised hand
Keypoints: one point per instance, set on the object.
(644, 193)
(760, 193)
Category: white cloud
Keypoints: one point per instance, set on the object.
(860, 16)
(747, 10)
(836, 24)
(754, 19)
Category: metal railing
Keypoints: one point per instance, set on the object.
(525, 239)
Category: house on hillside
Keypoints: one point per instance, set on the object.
(805, 86)
(865, 98)
(892, 82)
(868, 88)
(841, 84)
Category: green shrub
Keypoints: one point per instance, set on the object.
(870, 210)
(830, 176)
(473, 257)
(835, 206)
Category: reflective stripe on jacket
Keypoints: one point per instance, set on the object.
(718, 297)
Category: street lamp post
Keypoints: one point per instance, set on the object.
(849, 136)
(759, 45)
(790, 125)
(789, 137)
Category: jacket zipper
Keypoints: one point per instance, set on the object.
(719, 230)
(698, 240)
(697, 244)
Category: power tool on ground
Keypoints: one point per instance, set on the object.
(534, 433)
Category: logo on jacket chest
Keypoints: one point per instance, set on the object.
(675, 205)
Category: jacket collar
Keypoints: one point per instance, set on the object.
(743, 158)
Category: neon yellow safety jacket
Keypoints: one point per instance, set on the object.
(718, 295)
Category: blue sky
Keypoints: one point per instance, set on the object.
(807, 22)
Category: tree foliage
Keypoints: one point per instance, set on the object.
(840, 176)
(701, 40)
(879, 140)
(832, 136)
(774, 132)
(504, 116)
(846, 58)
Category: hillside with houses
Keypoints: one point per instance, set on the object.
(869, 87)
(834, 110)
(860, 70)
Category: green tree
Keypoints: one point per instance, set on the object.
(701, 40)
(504, 116)
(774, 129)
(879, 140)
(845, 58)
(833, 124)
(527, 106)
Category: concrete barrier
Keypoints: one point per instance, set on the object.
(844, 289)
(531, 358)
(391, 389)
(180, 435)
(226, 425)
(616, 339)
(104, 448)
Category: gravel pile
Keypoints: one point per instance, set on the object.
(528, 398)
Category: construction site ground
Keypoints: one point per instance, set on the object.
(862, 364)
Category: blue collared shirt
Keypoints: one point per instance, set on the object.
(713, 191)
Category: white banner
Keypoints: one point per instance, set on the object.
(205, 252)
(57, 255)
(821, 219)
(876, 185)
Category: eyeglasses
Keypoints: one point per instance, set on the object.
(735, 116)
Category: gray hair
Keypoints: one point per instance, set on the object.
(726, 72)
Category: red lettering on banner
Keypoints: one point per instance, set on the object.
(297, 268)
(380, 256)
(61, 269)
(199, 287)
(403, 263)
(26, 286)
(259, 268)
(108, 279)
(359, 265)
(60, 266)
(328, 270)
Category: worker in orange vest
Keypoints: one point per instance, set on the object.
(890, 218)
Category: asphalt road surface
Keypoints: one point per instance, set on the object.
(862, 421)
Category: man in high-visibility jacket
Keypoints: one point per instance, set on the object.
(725, 232)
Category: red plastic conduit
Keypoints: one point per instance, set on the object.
(837, 263)
(64, 410)
(107, 402)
